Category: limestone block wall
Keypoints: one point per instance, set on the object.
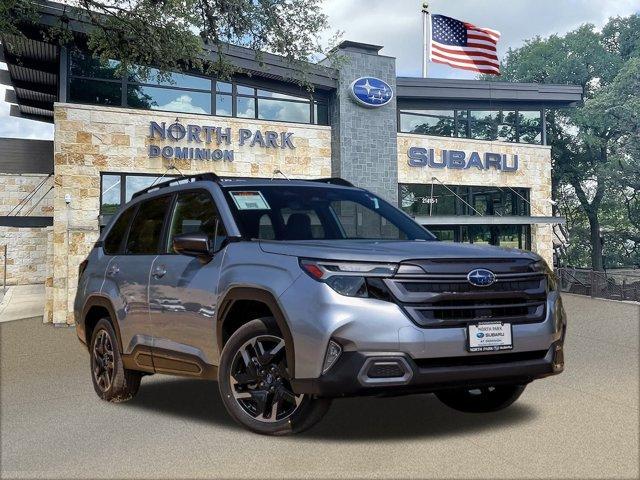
(534, 173)
(26, 247)
(89, 140)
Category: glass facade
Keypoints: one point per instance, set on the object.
(95, 82)
(421, 201)
(524, 126)
(118, 188)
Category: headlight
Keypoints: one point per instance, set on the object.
(352, 279)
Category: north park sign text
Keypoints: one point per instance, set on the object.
(200, 135)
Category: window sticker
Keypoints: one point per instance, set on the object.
(252, 200)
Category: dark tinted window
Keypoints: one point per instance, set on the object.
(144, 236)
(114, 238)
(95, 92)
(307, 213)
(195, 212)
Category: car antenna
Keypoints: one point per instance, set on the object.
(278, 171)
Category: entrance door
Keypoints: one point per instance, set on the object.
(183, 290)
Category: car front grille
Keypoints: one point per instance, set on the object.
(449, 300)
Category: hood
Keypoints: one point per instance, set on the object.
(391, 251)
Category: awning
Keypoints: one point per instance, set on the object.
(488, 220)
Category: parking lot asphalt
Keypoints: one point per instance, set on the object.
(581, 424)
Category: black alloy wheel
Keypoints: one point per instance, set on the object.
(260, 381)
(102, 361)
(111, 381)
(255, 383)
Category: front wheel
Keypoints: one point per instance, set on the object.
(255, 387)
(481, 399)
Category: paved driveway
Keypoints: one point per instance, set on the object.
(581, 424)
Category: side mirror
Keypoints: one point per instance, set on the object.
(192, 244)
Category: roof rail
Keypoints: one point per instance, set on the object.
(189, 178)
(334, 181)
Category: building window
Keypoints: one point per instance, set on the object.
(117, 189)
(94, 82)
(418, 200)
(504, 125)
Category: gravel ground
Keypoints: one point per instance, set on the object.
(581, 424)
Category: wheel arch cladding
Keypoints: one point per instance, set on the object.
(96, 308)
(243, 304)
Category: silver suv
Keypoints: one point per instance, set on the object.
(291, 293)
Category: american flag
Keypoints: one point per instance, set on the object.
(463, 45)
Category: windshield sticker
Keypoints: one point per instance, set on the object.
(249, 200)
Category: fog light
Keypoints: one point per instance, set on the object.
(333, 353)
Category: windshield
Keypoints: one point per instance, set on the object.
(318, 213)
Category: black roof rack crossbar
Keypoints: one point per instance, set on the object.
(189, 178)
(334, 181)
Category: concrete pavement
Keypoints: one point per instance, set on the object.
(22, 301)
(581, 424)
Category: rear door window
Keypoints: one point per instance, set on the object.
(146, 229)
(113, 240)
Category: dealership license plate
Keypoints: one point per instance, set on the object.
(489, 337)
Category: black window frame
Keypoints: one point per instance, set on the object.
(123, 186)
(465, 126)
(125, 82)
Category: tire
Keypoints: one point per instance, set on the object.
(111, 381)
(258, 394)
(481, 399)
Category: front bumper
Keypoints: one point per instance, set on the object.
(351, 375)
(317, 314)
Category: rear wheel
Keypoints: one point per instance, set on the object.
(255, 386)
(481, 399)
(111, 381)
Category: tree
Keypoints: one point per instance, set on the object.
(594, 146)
(172, 35)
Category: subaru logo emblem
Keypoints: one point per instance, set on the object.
(479, 334)
(371, 92)
(481, 277)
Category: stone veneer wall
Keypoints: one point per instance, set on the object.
(534, 172)
(26, 247)
(91, 139)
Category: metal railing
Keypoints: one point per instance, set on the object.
(3, 249)
(615, 285)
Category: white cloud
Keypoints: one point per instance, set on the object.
(19, 127)
(397, 25)
(184, 103)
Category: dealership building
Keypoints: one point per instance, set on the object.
(468, 159)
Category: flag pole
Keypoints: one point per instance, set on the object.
(426, 38)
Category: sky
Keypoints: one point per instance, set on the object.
(397, 25)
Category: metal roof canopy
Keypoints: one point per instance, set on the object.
(20, 155)
(34, 67)
(487, 220)
(412, 92)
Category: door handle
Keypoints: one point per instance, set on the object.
(159, 271)
(113, 270)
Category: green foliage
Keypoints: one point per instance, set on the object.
(595, 147)
(172, 35)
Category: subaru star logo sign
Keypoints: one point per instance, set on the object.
(371, 92)
(481, 277)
